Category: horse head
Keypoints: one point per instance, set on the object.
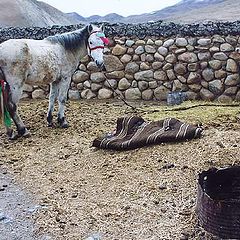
(96, 42)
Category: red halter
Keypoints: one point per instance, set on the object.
(104, 40)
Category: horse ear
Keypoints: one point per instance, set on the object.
(90, 28)
(102, 27)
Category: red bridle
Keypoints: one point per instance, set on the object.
(104, 40)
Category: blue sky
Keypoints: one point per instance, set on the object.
(87, 8)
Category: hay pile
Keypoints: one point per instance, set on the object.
(148, 193)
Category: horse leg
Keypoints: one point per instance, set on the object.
(52, 97)
(21, 129)
(13, 99)
(62, 99)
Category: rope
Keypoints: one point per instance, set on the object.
(141, 111)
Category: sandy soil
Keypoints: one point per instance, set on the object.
(148, 193)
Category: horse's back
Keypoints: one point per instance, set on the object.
(37, 61)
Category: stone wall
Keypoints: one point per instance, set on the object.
(147, 61)
(203, 67)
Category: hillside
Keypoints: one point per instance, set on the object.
(28, 13)
(186, 11)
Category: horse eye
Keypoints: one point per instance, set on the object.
(90, 42)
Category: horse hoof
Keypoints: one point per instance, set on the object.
(50, 125)
(64, 125)
(27, 134)
(13, 136)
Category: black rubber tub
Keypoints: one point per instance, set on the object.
(218, 202)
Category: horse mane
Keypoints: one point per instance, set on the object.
(71, 40)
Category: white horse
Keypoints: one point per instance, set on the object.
(53, 61)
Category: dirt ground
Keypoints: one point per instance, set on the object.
(144, 194)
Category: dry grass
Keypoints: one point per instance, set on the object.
(148, 193)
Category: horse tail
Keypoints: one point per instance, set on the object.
(4, 100)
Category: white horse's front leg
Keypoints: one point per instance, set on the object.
(62, 99)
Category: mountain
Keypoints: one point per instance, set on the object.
(186, 11)
(28, 13)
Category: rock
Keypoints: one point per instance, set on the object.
(140, 42)
(80, 76)
(150, 49)
(85, 59)
(157, 65)
(38, 94)
(204, 41)
(180, 51)
(167, 66)
(226, 47)
(214, 49)
(115, 74)
(125, 59)
(224, 99)
(144, 66)
(82, 67)
(204, 56)
(208, 74)
(232, 80)
(230, 91)
(73, 94)
(142, 85)
(139, 50)
(181, 42)
(147, 94)
(149, 58)
(129, 43)
(206, 95)
(87, 84)
(195, 87)
(216, 87)
(112, 63)
(119, 50)
(153, 84)
(215, 64)
(134, 84)
(171, 74)
(158, 57)
(132, 67)
(191, 95)
(95, 87)
(163, 51)
(168, 43)
(171, 58)
(193, 67)
(144, 75)
(161, 93)
(232, 66)
(218, 39)
(160, 75)
(150, 42)
(80, 86)
(220, 56)
(180, 68)
(188, 57)
(87, 94)
(105, 93)
(133, 94)
(158, 42)
(97, 77)
(194, 78)
(237, 98)
(231, 40)
(219, 74)
(111, 83)
(123, 84)
(27, 88)
(92, 66)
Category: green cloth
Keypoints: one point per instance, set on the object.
(6, 116)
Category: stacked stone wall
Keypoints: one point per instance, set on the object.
(148, 61)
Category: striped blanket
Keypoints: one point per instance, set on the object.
(133, 132)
